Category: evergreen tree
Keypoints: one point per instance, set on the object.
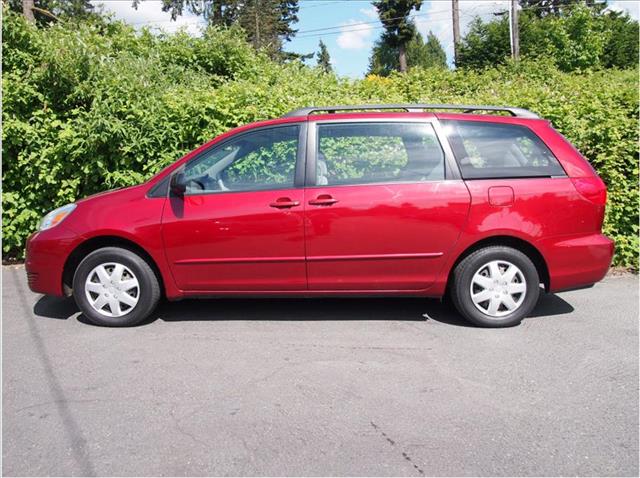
(434, 53)
(385, 59)
(267, 23)
(486, 43)
(215, 12)
(324, 60)
(399, 30)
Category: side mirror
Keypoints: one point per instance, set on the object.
(178, 185)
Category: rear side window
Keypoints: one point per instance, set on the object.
(495, 150)
(365, 153)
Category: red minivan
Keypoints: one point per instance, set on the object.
(363, 200)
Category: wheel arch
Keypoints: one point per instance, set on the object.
(510, 241)
(98, 242)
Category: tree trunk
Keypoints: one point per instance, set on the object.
(256, 36)
(27, 10)
(402, 50)
(217, 13)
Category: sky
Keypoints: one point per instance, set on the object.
(348, 27)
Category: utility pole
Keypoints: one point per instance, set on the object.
(456, 31)
(515, 32)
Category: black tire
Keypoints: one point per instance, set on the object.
(467, 268)
(149, 288)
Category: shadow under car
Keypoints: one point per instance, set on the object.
(279, 309)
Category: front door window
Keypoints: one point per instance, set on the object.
(259, 160)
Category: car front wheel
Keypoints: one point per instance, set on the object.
(496, 286)
(115, 287)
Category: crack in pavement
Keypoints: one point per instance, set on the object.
(184, 432)
(66, 401)
(393, 443)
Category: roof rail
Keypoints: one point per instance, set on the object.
(413, 108)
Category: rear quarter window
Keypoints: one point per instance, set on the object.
(497, 150)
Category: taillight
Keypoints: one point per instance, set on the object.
(592, 188)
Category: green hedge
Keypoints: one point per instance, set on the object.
(94, 106)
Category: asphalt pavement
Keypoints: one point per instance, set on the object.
(321, 387)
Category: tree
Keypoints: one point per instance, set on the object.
(27, 10)
(485, 44)
(384, 58)
(543, 8)
(399, 30)
(44, 11)
(215, 12)
(434, 54)
(578, 38)
(324, 60)
(267, 23)
(621, 49)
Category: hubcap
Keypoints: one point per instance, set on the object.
(112, 289)
(498, 288)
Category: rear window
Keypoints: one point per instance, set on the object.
(495, 150)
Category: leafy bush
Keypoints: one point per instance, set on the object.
(582, 38)
(95, 105)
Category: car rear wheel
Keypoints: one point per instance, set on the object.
(115, 287)
(496, 286)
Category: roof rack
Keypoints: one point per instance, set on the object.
(413, 108)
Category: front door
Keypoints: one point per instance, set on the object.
(383, 209)
(239, 226)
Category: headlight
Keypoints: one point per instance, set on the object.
(56, 216)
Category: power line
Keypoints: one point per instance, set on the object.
(369, 23)
(193, 22)
(307, 7)
(317, 32)
(336, 27)
(470, 14)
(341, 30)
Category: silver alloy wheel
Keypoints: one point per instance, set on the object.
(498, 288)
(112, 289)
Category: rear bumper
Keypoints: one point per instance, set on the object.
(46, 254)
(577, 261)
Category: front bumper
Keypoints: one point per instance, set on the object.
(46, 254)
(577, 261)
